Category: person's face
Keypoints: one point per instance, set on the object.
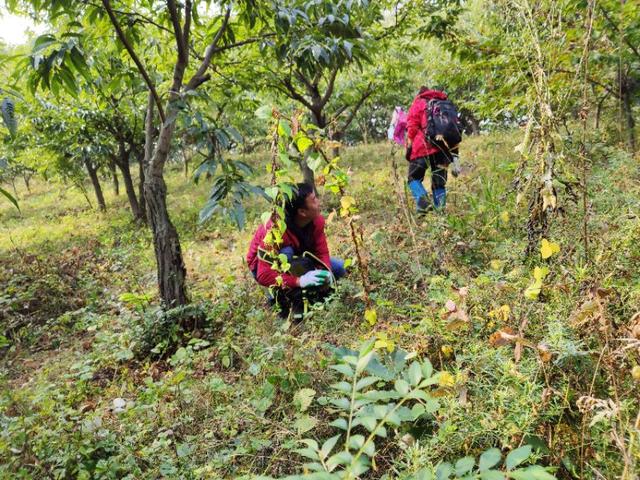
(311, 208)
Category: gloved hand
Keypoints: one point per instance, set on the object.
(314, 278)
(407, 154)
(456, 168)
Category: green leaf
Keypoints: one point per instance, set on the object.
(303, 398)
(489, 459)
(492, 475)
(356, 442)
(328, 446)
(305, 423)
(464, 465)
(427, 369)
(364, 361)
(366, 382)
(340, 458)
(184, 449)
(308, 453)
(370, 448)
(346, 370)
(415, 373)
(534, 472)
(444, 471)
(343, 387)
(340, 423)
(9, 116)
(401, 386)
(368, 422)
(9, 197)
(341, 403)
(517, 456)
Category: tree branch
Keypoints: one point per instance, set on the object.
(617, 30)
(330, 84)
(122, 37)
(590, 80)
(174, 15)
(366, 94)
(294, 95)
(201, 76)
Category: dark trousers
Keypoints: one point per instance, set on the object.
(438, 163)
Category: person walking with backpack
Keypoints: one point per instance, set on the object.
(433, 135)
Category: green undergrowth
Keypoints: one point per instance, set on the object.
(99, 383)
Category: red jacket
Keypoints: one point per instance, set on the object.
(417, 124)
(264, 274)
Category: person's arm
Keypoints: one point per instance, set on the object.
(268, 277)
(413, 122)
(321, 246)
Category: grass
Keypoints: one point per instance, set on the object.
(80, 285)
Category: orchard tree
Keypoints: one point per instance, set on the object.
(149, 32)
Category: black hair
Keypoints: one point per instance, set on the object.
(300, 193)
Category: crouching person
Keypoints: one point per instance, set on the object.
(312, 270)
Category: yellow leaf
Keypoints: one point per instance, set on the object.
(347, 202)
(447, 351)
(547, 248)
(533, 291)
(371, 316)
(445, 379)
(504, 216)
(496, 264)
(539, 273)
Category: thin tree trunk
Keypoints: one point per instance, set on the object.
(114, 176)
(95, 181)
(170, 264)
(186, 163)
(27, 181)
(143, 202)
(627, 109)
(123, 164)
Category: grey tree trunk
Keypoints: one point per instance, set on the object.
(95, 181)
(123, 165)
(171, 270)
(114, 176)
(629, 120)
(143, 203)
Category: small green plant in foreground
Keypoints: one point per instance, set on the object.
(373, 401)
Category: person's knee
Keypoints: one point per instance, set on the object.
(288, 251)
(337, 267)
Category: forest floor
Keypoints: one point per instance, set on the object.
(78, 298)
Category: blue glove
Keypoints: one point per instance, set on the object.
(314, 278)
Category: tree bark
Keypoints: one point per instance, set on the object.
(95, 181)
(171, 270)
(114, 176)
(143, 202)
(627, 108)
(122, 162)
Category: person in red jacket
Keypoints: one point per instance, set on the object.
(422, 155)
(305, 245)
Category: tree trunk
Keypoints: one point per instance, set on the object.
(171, 270)
(627, 108)
(114, 176)
(143, 203)
(170, 265)
(123, 165)
(186, 163)
(95, 181)
(27, 181)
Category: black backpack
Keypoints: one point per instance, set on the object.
(443, 125)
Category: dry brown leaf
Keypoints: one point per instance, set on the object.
(544, 352)
(503, 337)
